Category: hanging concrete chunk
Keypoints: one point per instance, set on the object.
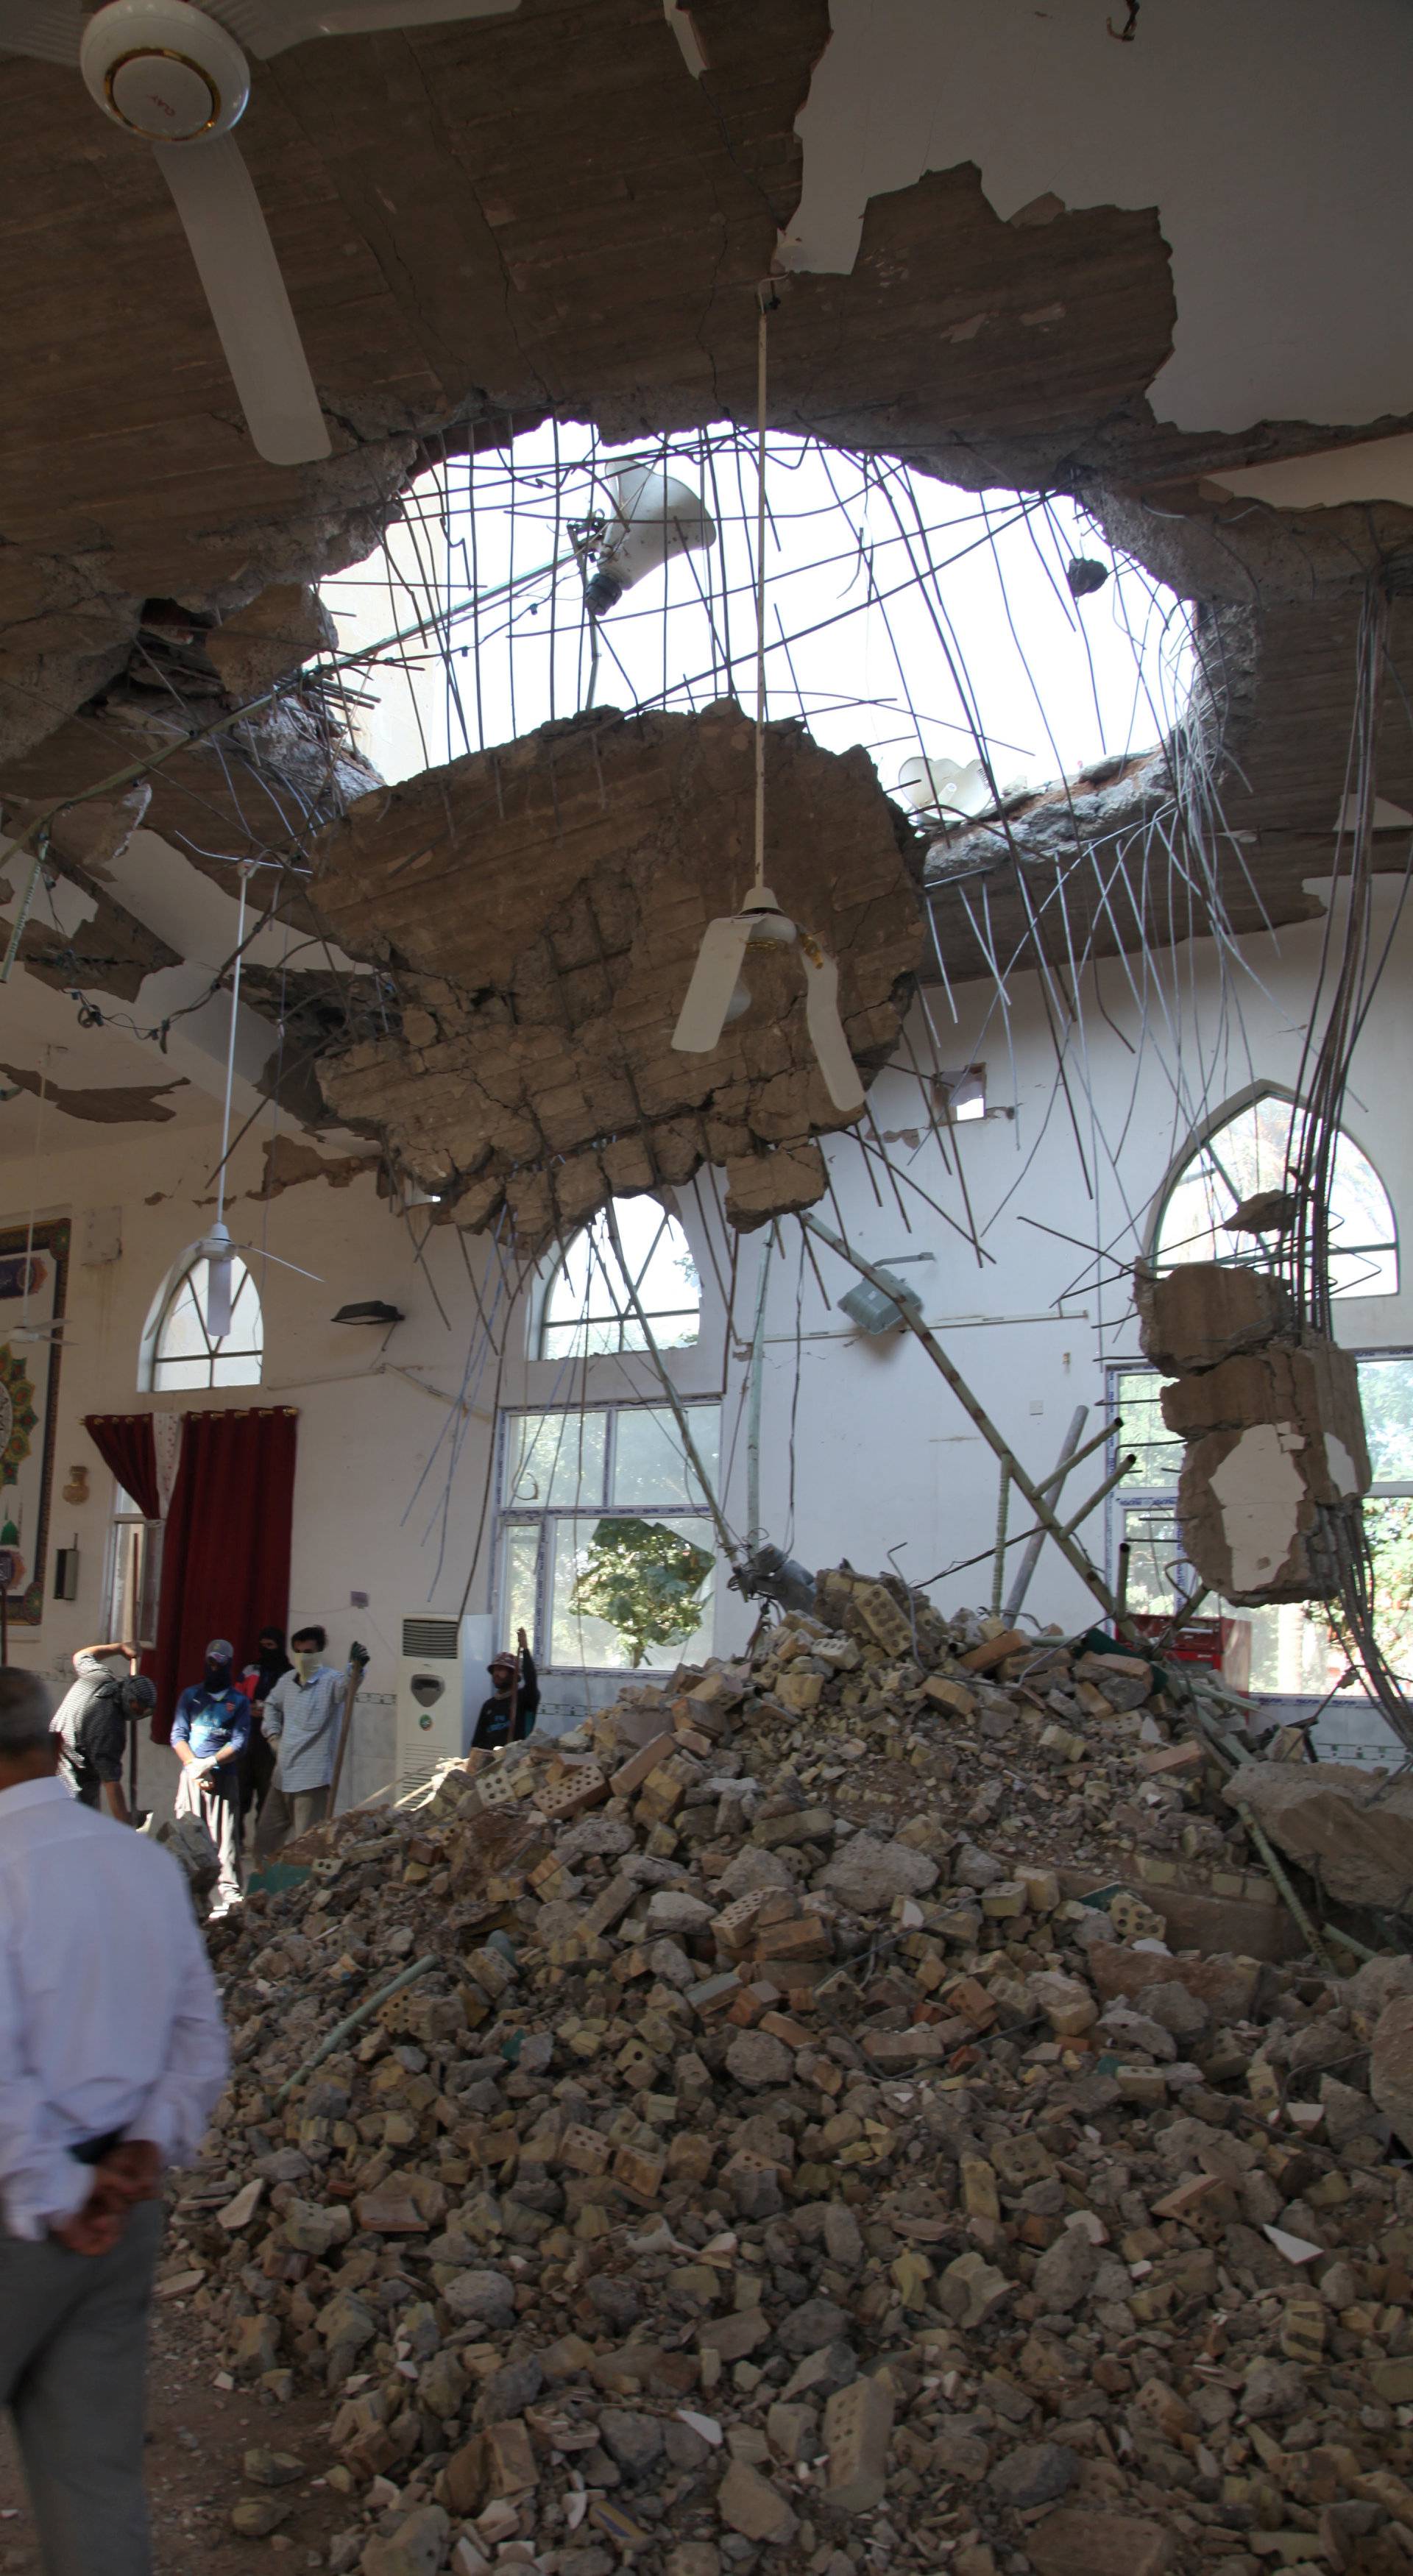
(542, 907)
(1274, 1432)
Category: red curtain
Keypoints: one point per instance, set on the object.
(225, 1558)
(125, 1444)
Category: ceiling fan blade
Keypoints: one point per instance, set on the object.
(267, 27)
(841, 1074)
(257, 1252)
(50, 30)
(235, 260)
(703, 1014)
(218, 1297)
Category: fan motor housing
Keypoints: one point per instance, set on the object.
(165, 71)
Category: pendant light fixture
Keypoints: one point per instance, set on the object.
(215, 1247)
(718, 992)
(26, 1331)
(654, 517)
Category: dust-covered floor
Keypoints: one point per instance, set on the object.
(198, 2435)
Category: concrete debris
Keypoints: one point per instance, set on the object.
(280, 629)
(1201, 1313)
(814, 2148)
(1273, 1430)
(1350, 1827)
(542, 906)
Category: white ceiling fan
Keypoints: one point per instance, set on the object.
(717, 993)
(176, 77)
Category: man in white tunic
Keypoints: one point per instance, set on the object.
(112, 2059)
(303, 1714)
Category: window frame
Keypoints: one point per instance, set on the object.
(1203, 1139)
(544, 1518)
(1163, 1497)
(151, 1361)
(133, 1537)
(553, 1269)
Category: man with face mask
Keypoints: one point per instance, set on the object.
(91, 1724)
(209, 1735)
(257, 1682)
(302, 1718)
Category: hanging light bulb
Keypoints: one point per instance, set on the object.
(654, 517)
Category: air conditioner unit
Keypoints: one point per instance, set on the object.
(441, 1683)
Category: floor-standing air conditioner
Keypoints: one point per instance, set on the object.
(441, 1683)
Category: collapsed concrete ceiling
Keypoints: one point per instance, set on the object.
(484, 223)
(1270, 735)
(541, 910)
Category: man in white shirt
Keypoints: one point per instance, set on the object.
(112, 2058)
(303, 1714)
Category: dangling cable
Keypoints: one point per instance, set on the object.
(231, 1048)
(760, 588)
(34, 1185)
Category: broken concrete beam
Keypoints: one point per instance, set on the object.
(1275, 1442)
(272, 636)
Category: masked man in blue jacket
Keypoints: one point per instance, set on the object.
(209, 1734)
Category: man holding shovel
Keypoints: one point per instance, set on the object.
(304, 1721)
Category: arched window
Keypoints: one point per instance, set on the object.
(179, 1351)
(1247, 1153)
(587, 1311)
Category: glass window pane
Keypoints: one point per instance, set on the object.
(519, 1591)
(1386, 1393)
(587, 1308)
(555, 1461)
(185, 1355)
(650, 1466)
(1251, 1153)
(183, 1333)
(1157, 1454)
(576, 1639)
(245, 1302)
(1156, 1565)
(181, 1373)
(235, 1368)
(1390, 1528)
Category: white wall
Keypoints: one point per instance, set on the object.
(883, 1451)
(364, 1440)
(883, 1454)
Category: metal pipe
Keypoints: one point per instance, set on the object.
(1115, 1477)
(1076, 1457)
(1306, 1928)
(350, 2022)
(1003, 1509)
(1031, 1558)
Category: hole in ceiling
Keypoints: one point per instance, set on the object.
(901, 613)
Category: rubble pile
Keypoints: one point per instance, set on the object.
(748, 2172)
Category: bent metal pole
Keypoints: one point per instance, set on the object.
(1049, 1520)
